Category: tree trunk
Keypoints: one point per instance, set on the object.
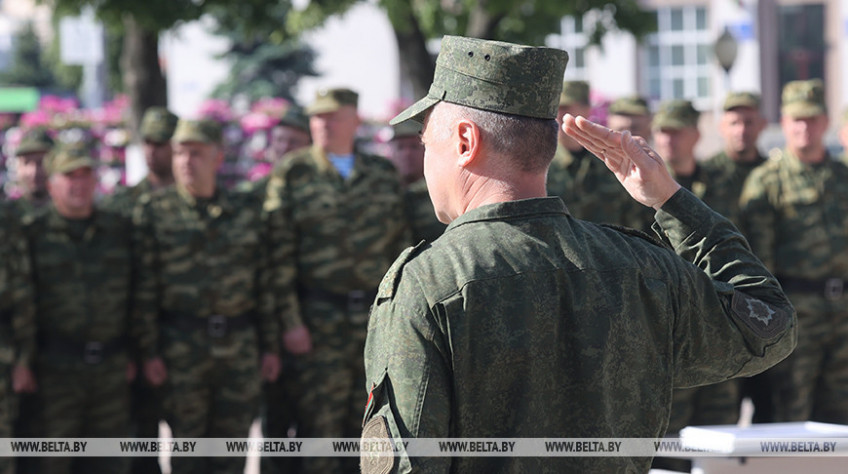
(416, 64)
(143, 79)
(481, 22)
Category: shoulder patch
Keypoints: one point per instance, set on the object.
(392, 277)
(380, 459)
(765, 321)
(636, 233)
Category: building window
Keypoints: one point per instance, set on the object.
(574, 41)
(678, 55)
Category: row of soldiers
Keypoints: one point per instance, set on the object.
(179, 300)
(792, 206)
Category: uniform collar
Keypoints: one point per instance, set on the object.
(512, 209)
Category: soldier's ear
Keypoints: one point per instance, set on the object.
(468, 142)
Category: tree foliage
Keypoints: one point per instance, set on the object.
(28, 66)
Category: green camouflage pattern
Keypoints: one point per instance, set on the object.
(36, 140)
(331, 100)
(796, 217)
(495, 76)
(16, 292)
(741, 99)
(339, 236)
(631, 105)
(723, 179)
(803, 99)
(198, 258)
(590, 191)
(633, 320)
(675, 114)
(574, 92)
(65, 159)
(421, 214)
(202, 131)
(158, 125)
(124, 199)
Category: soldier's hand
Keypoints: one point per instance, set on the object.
(297, 340)
(271, 366)
(636, 165)
(23, 380)
(155, 371)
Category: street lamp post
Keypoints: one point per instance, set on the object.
(725, 49)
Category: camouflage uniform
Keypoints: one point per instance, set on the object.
(336, 238)
(796, 217)
(203, 306)
(82, 274)
(17, 318)
(632, 319)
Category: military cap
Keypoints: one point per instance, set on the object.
(741, 99)
(296, 118)
(803, 99)
(35, 140)
(675, 114)
(203, 131)
(158, 124)
(494, 76)
(632, 105)
(67, 158)
(408, 128)
(574, 92)
(330, 100)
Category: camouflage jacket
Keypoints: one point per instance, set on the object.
(198, 258)
(123, 200)
(589, 189)
(592, 328)
(422, 216)
(83, 276)
(330, 233)
(17, 303)
(796, 216)
(724, 178)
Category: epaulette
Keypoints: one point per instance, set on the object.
(392, 277)
(637, 233)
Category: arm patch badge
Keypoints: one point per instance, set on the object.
(379, 459)
(765, 321)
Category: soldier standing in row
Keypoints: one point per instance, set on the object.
(338, 221)
(794, 211)
(407, 154)
(82, 273)
(521, 321)
(203, 302)
(17, 323)
(675, 130)
(29, 170)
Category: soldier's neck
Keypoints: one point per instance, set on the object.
(157, 181)
(810, 155)
(746, 156)
(684, 166)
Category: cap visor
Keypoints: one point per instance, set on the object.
(322, 108)
(415, 111)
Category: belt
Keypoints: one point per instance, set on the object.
(355, 300)
(216, 325)
(831, 288)
(91, 352)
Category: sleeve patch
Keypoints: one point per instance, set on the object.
(765, 321)
(379, 457)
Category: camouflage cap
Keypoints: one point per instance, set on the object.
(67, 158)
(295, 118)
(408, 128)
(330, 100)
(676, 114)
(158, 124)
(34, 141)
(574, 92)
(741, 99)
(203, 131)
(632, 105)
(803, 99)
(494, 76)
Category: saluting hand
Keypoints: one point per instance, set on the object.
(636, 165)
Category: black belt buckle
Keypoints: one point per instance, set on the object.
(356, 300)
(217, 326)
(834, 288)
(93, 352)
